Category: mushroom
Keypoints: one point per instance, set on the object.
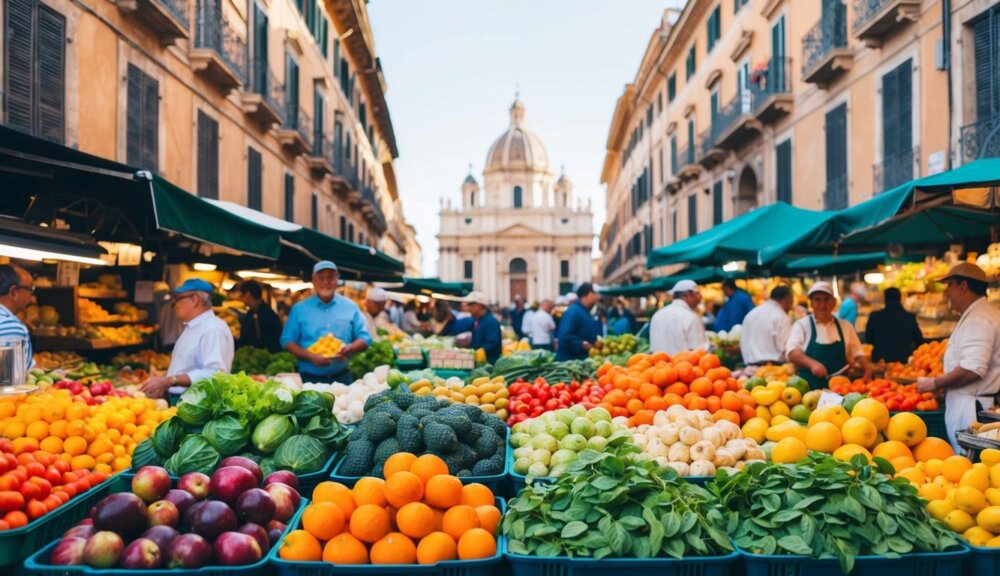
(714, 435)
(737, 448)
(702, 468)
(668, 433)
(723, 458)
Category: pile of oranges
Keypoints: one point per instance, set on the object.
(419, 514)
(926, 360)
(99, 438)
(897, 397)
(696, 380)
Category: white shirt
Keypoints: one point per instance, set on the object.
(526, 323)
(204, 348)
(765, 332)
(675, 328)
(542, 327)
(975, 346)
(826, 334)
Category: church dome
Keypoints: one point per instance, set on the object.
(517, 149)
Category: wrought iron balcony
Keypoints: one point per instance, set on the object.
(294, 133)
(894, 171)
(689, 163)
(168, 18)
(825, 51)
(320, 160)
(835, 195)
(710, 154)
(264, 97)
(218, 52)
(736, 124)
(874, 19)
(772, 90)
(981, 139)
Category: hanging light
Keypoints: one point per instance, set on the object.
(874, 278)
(204, 267)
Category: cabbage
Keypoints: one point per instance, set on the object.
(278, 398)
(226, 435)
(327, 430)
(272, 431)
(168, 436)
(301, 454)
(194, 455)
(195, 404)
(309, 403)
(145, 455)
(267, 466)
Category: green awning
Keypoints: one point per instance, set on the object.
(705, 275)
(368, 262)
(428, 286)
(929, 226)
(833, 264)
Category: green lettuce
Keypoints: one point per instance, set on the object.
(168, 436)
(226, 435)
(272, 431)
(194, 455)
(311, 403)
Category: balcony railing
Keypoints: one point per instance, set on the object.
(170, 18)
(835, 196)
(710, 154)
(981, 139)
(771, 89)
(178, 10)
(295, 132)
(893, 171)
(825, 45)
(264, 97)
(875, 18)
(219, 51)
(320, 160)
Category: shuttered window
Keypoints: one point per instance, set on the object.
(671, 87)
(690, 148)
(714, 25)
(319, 107)
(673, 155)
(255, 188)
(692, 215)
(292, 90)
(259, 77)
(717, 203)
(350, 233)
(314, 211)
(897, 126)
(35, 63)
(714, 107)
(467, 269)
(691, 63)
(986, 41)
(783, 186)
(673, 224)
(289, 197)
(208, 156)
(142, 120)
(836, 158)
(343, 228)
(336, 57)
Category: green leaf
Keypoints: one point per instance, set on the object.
(631, 522)
(853, 508)
(887, 524)
(602, 552)
(573, 529)
(883, 465)
(549, 549)
(517, 547)
(786, 515)
(795, 545)
(619, 540)
(768, 545)
(605, 483)
(688, 520)
(674, 548)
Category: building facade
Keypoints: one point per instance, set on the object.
(819, 103)
(518, 234)
(278, 105)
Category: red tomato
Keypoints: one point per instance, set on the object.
(30, 490)
(36, 509)
(11, 500)
(16, 519)
(43, 485)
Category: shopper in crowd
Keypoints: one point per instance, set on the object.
(411, 323)
(578, 330)
(485, 327)
(822, 345)
(766, 328)
(526, 321)
(738, 305)
(849, 307)
(892, 331)
(261, 326)
(516, 315)
(542, 326)
(325, 312)
(971, 376)
(395, 311)
(677, 326)
(448, 322)
(376, 317)
(203, 348)
(16, 288)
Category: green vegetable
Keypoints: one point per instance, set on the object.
(301, 454)
(195, 404)
(250, 360)
(145, 455)
(194, 455)
(327, 430)
(309, 403)
(378, 354)
(280, 363)
(272, 431)
(226, 435)
(167, 437)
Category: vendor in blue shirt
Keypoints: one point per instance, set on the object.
(738, 305)
(485, 327)
(578, 330)
(324, 313)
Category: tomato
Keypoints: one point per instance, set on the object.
(551, 404)
(36, 509)
(537, 411)
(521, 408)
(34, 469)
(43, 485)
(9, 482)
(11, 500)
(30, 490)
(53, 476)
(16, 519)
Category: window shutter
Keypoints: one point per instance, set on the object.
(673, 155)
(890, 116)
(20, 33)
(289, 197)
(904, 107)
(254, 185)
(692, 214)
(343, 228)
(259, 63)
(836, 158)
(717, 203)
(314, 208)
(292, 90)
(208, 156)
(784, 170)
(50, 85)
(133, 120)
(150, 125)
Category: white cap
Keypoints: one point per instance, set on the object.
(377, 295)
(571, 297)
(684, 286)
(477, 297)
(821, 286)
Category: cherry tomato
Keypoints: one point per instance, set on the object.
(16, 519)
(30, 490)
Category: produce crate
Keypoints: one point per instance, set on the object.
(934, 421)
(561, 566)
(445, 373)
(484, 567)
(974, 444)
(982, 560)
(987, 416)
(921, 564)
(17, 544)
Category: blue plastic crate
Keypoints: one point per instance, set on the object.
(520, 481)
(982, 561)
(560, 566)
(17, 544)
(921, 564)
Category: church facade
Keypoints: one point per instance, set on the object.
(518, 233)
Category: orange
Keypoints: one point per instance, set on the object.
(702, 387)
(369, 490)
(338, 494)
(427, 466)
(436, 547)
(300, 546)
(848, 451)
(397, 463)
(39, 430)
(970, 499)
(902, 463)
(52, 445)
(323, 520)
(860, 431)
(415, 519)
(931, 492)
(891, 449)
(916, 477)
(75, 445)
(394, 548)
(489, 518)
(443, 491)
(402, 488)
(369, 523)
(930, 448)
(83, 461)
(345, 549)
(458, 520)
(955, 466)
(476, 544)
(477, 494)
(906, 427)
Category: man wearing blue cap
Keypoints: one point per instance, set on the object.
(318, 315)
(203, 348)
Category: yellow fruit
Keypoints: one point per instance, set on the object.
(978, 478)
(969, 499)
(993, 496)
(778, 419)
(788, 429)
(873, 410)
(994, 474)
(990, 456)
(788, 450)
(791, 396)
(939, 509)
(931, 492)
(891, 450)
(833, 414)
(993, 542)
(916, 477)
(763, 412)
(906, 427)
(848, 451)
(779, 408)
(860, 431)
(959, 521)
(755, 428)
(989, 519)
(823, 437)
(955, 467)
(934, 467)
(977, 536)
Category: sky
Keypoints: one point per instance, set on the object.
(453, 67)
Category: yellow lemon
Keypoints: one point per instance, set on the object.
(823, 437)
(860, 431)
(955, 467)
(969, 499)
(789, 450)
(848, 451)
(978, 478)
(959, 521)
(989, 518)
(993, 542)
(939, 509)
(990, 457)
(977, 536)
(873, 410)
(906, 427)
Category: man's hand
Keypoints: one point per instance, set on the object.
(155, 387)
(345, 351)
(926, 384)
(586, 346)
(818, 370)
(319, 359)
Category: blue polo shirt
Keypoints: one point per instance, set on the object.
(733, 311)
(576, 327)
(311, 319)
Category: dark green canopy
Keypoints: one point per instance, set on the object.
(430, 286)
(928, 226)
(705, 275)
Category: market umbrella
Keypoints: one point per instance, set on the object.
(705, 275)
(933, 225)
(430, 286)
(832, 264)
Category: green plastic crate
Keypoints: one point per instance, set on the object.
(562, 566)
(921, 564)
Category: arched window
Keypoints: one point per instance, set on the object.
(472, 198)
(565, 201)
(517, 197)
(518, 266)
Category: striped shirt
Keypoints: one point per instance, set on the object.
(11, 328)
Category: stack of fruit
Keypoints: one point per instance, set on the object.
(47, 360)
(530, 400)
(614, 345)
(897, 397)
(151, 359)
(222, 520)
(546, 445)
(328, 345)
(775, 372)
(419, 514)
(491, 395)
(926, 360)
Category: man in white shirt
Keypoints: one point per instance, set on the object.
(822, 345)
(543, 326)
(526, 323)
(971, 376)
(375, 314)
(204, 348)
(766, 328)
(678, 327)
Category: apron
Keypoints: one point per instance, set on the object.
(833, 355)
(960, 403)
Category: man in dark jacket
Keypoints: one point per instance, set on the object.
(892, 331)
(261, 326)
(517, 315)
(485, 327)
(578, 330)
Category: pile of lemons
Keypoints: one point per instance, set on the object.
(327, 345)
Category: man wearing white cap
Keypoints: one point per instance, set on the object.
(822, 345)
(677, 326)
(376, 318)
(971, 376)
(485, 327)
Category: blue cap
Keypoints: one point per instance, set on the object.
(324, 265)
(192, 284)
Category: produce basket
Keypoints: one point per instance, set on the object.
(982, 560)
(561, 566)
(484, 567)
(974, 444)
(934, 421)
(922, 564)
(17, 544)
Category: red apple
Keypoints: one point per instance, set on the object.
(286, 500)
(283, 476)
(274, 531)
(162, 536)
(141, 554)
(229, 482)
(255, 505)
(84, 531)
(189, 551)
(68, 552)
(196, 483)
(103, 550)
(236, 549)
(163, 513)
(182, 499)
(212, 518)
(151, 483)
(244, 462)
(124, 512)
(259, 534)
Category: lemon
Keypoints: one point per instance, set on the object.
(969, 499)
(939, 509)
(959, 521)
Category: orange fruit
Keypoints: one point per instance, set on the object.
(443, 491)
(394, 548)
(427, 466)
(848, 451)
(955, 466)
(489, 518)
(402, 488)
(323, 520)
(930, 448)
(345, 549)
(369, 523)
(891, 449)
(338, 494)
(902, 463)
(415, 519)
(300, 546)
(823, 437)
(916, 477)
(789, 450)
(476, 544)
(906, 427)
(436, 547)
(860, 431)
(873, 410)
(369, 490)
(458, 520)
(398, 462)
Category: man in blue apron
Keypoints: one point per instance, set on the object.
(971, 376)
(821, 345)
